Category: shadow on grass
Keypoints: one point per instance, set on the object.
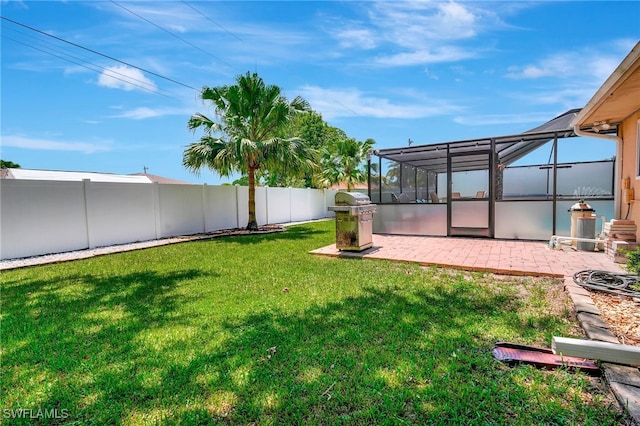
(75, 337)
(387, 355)
(384, 357)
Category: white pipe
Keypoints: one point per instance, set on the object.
(556, 239)
(618, 172)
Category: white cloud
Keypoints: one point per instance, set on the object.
(126, 78)
(178, 28)
(355, 37)
(562, 64)
(51, 145)
(430, 74)
(500, 119)
(416, 23)
(594, 64)
(418, 33)
(334, 103)
(433, 56)
(20, 3)
(570, 97)
(142, 113)
(162, 14)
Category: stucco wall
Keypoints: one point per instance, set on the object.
(629, 168)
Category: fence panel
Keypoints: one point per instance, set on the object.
(221, 207)
(181, 210)
(242, 198)
(279, 205)
(317, 204)
(261, 205)
(120, 213)
(300, 205)
(330, 200)
(41, 217)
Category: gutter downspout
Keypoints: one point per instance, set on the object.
(618, 170)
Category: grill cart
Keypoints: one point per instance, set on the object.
(354, 221)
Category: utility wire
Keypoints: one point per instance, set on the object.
(41, 44)
(107, 72)
(142, 69)
(172, 34)
(98, 53)
(223, 28)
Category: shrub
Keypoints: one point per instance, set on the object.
(633, 261)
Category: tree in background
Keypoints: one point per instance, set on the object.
(344, 161)
(8, 165)
(242, 181)
(247, 137)
(313, 130)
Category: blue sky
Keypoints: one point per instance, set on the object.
(118, 99)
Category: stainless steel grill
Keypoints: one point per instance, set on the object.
(351, 199)
(354, 221)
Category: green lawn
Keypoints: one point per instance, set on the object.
(254, 329)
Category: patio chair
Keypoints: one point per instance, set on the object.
(434, 197)
(455, 195)
(480, 194)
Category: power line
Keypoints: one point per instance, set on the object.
(98, 53)
(172, 34)
(142, 69)
(223, 28)
(108, 72)
(41, 44)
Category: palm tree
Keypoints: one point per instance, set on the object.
(245, 138)
(343, 162)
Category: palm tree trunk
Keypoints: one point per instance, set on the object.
(253, 223)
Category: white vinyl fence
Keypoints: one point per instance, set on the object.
(43, 217)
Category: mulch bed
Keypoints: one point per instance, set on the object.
(621, 314)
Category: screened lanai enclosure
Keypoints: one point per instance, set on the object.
(481, 188)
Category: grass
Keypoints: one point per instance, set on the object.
(253, 329)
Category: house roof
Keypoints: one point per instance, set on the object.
(161, 179)
(617, 98)
(343, 186)
(32, 174)
(472, 154)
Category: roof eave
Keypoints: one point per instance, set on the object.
(627, 67)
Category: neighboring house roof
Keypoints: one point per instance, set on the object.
(343, 186)
(160, 179)
(617, 98)
(32, 174)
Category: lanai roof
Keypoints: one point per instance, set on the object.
(472, 154)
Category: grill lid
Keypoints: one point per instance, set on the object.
(351, 199)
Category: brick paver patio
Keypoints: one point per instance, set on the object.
(510, 257)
